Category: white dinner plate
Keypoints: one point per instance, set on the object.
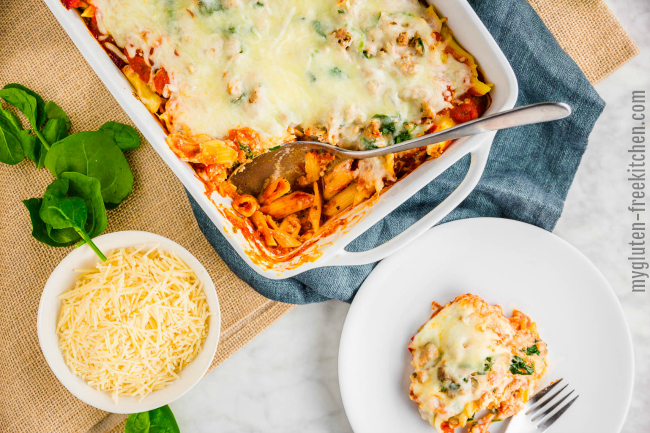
(508, 263)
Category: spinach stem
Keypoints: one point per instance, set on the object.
(91, 244)
(40, 136)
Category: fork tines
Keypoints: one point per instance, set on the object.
(550, 404)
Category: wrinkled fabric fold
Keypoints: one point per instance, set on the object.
(527, 177)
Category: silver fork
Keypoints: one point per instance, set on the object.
(538, 409)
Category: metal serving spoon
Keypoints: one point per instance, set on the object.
(250, 178)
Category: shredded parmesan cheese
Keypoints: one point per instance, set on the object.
(130, 325)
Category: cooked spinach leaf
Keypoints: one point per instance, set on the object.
(403, 136)
(367, 144)
(519, 366)
(487, 366)
(387, 124)
(208, 7)
(319, 28)
(532, 350)
(247, 150)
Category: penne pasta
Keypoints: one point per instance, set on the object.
(288, 204)
(340, 201)
(336, 180)
(275, 190)
(217, 152)
(312, 169)
(262, 226)
(291, 225)
(362, 194)
(271, 222)
(246, 205)
(315, 209)
(285, 240)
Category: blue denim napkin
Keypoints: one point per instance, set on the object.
(528, 174)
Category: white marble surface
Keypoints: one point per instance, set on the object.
(286, 379)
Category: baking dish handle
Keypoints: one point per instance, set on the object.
(476, 167)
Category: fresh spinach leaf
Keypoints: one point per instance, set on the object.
(68, 236)
(57, 126)
(11, 149)
(32, 106)
(8, 116)
(159, 420)
(27, 101)
(62, 211)
(31, 146)
(55, 130)
(89, 189)
(96, 155)
(53, 111)
(519, 366)
(40, 230)
(125, 136)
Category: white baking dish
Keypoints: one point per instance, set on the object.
(330, 250)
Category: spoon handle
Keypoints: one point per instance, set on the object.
(526, 115)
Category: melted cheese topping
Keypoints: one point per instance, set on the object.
(275, 64)
(462, 359)
(130, 325)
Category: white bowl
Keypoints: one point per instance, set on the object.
(63, 278)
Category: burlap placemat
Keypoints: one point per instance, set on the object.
(36, 52)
